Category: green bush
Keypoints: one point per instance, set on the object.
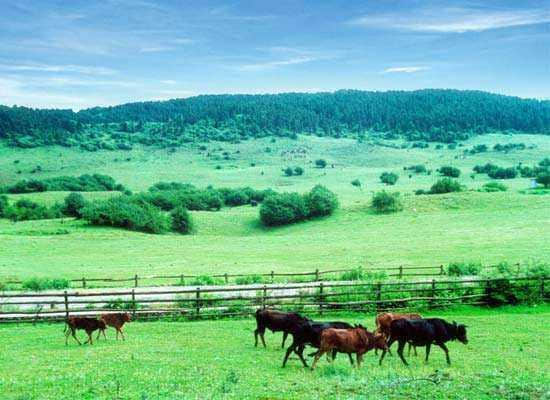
(3, 205)
(205, 280)
(288, 171)
(449, 171)
(356, 183)
(320, 202)
(298, 171)
(39, 284)
(355, 274)
(282, 209)
(384, 202)
(181, 220)
(445, 185)
(320, 163)
(494, 187)
(249, 280)
(83, 183)
(74, 203)
(125, 212)
(26, 210)
(462, 268)
(543, 178)
(121, 304)
(389, 178)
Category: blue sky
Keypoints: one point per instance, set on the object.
(81, 53)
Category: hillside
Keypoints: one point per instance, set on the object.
(423, 115)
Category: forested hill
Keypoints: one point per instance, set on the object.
(431, 114)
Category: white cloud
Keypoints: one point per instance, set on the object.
(454, 20)
(155, 49)
(168, 82)
(407, 70)
(81, 69)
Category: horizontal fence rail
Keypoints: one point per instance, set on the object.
(226, 278)
(319, 297)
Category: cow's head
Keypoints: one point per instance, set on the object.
(380, 341)
(126, 317)
(460, 333)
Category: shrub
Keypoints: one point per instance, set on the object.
(449, 171)
(249, 280)
(281, 209)
(288, 171)
(203, 280)
(125, 212)
(298, 171)
(3, 205)
(545, 162)
(26, 210)
(355, 274)
(461, 269)
(38, 284)
(235, 197)
(503, 173)
(494, 187)
(321, 202)
(543, 178)
(320, 163)
(83, 183)
(389, 178)
(181, 220)
(74, 203)
(356, 183)
(445, 185)
(384, 202)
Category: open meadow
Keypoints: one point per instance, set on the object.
(431, 230)
(507, 357)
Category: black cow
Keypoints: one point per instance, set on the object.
(424, 332)
(309, 333)
(276, 321)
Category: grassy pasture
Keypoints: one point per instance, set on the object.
(217, 359)
(432, 230)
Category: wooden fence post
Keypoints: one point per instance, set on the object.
(134, 305)
(182, 282)
(83, 283)
(197, 301)
(432, 301)
(378, 295)
(441, 270)
(66, 304)
(226, 278)
(264, 296)
(317, 274)
(400, 272)
(136, 280)
(489, 292)
(321, 299)
(272, 276)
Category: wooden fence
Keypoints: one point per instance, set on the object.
(318, 297)
(180, 279)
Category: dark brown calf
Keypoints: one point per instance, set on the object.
(87, 324)
(276, 321)
(117, 321)
(356, 340)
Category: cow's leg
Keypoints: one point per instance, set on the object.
(285, 334)
(300, 353)
(400, 351)
(290, 349)
(359, 359)
(386, 350)
(121, 333)
(428, 346)
(89, 333)
(67, 334)
(73, 333)
(350, 358)
(414, 348)
(317, 356)
(446, 350)
(103, 330)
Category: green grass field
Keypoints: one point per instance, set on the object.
(432, 230)
(507, 358)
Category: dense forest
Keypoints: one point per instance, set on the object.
(428, 115)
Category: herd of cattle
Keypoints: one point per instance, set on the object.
(328, 338)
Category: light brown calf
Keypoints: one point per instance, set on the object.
(383, 322)
(117, 321)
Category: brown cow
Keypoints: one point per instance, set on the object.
(383, 322)
(117, 321)
(355, 340)
(87, 324)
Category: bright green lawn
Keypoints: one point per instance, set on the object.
(508, 357)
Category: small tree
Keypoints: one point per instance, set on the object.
(445, 185)
(320, 163)
(356, 183)
(320, 201)
(288, 171)
(389, 178)
(449, 171)
(384, 202)
(544, 179)
(3, 205)
(282, 209)
(298, 171)
(74, 203)
(181, 220)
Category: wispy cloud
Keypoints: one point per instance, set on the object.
(278, 63)
(155, 49)
(454, 20)
(168, 82)
(407, 70)
(80, 69)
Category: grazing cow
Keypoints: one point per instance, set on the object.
(425, 332)
(117, 321)
(72, 324)
(309, 333)
(355, 340)
(275, 321)
(383, 322)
